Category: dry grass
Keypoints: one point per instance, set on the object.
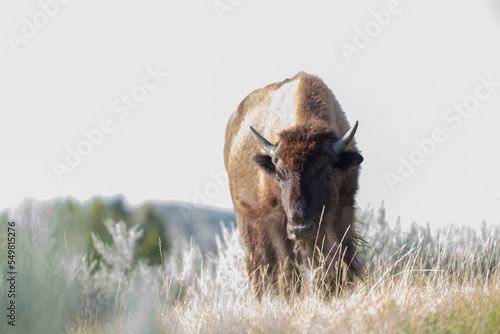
(406, 293)
(415, 282)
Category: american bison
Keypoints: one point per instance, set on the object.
(293, 170)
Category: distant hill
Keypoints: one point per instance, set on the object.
(192, 223)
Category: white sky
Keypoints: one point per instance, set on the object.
(66, 77)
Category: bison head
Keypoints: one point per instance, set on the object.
(309, 163)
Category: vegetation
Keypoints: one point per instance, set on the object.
(72, 225)
(417, 281)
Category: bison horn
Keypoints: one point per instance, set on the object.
(266, 145)
(340, 145)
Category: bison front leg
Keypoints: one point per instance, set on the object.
(271, 266)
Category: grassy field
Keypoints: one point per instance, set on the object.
(417, 281)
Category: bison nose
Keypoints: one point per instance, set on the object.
(301, 230)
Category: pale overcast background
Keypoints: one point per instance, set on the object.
(66, 66)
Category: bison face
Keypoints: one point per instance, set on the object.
(308, 166)
(305, 193)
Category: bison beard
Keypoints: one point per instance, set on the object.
(294, 200)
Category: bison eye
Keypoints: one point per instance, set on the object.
(329, 176)
(277, 178)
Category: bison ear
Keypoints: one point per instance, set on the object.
(348, 159)
(266, 162)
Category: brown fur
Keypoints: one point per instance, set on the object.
(304, 176)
